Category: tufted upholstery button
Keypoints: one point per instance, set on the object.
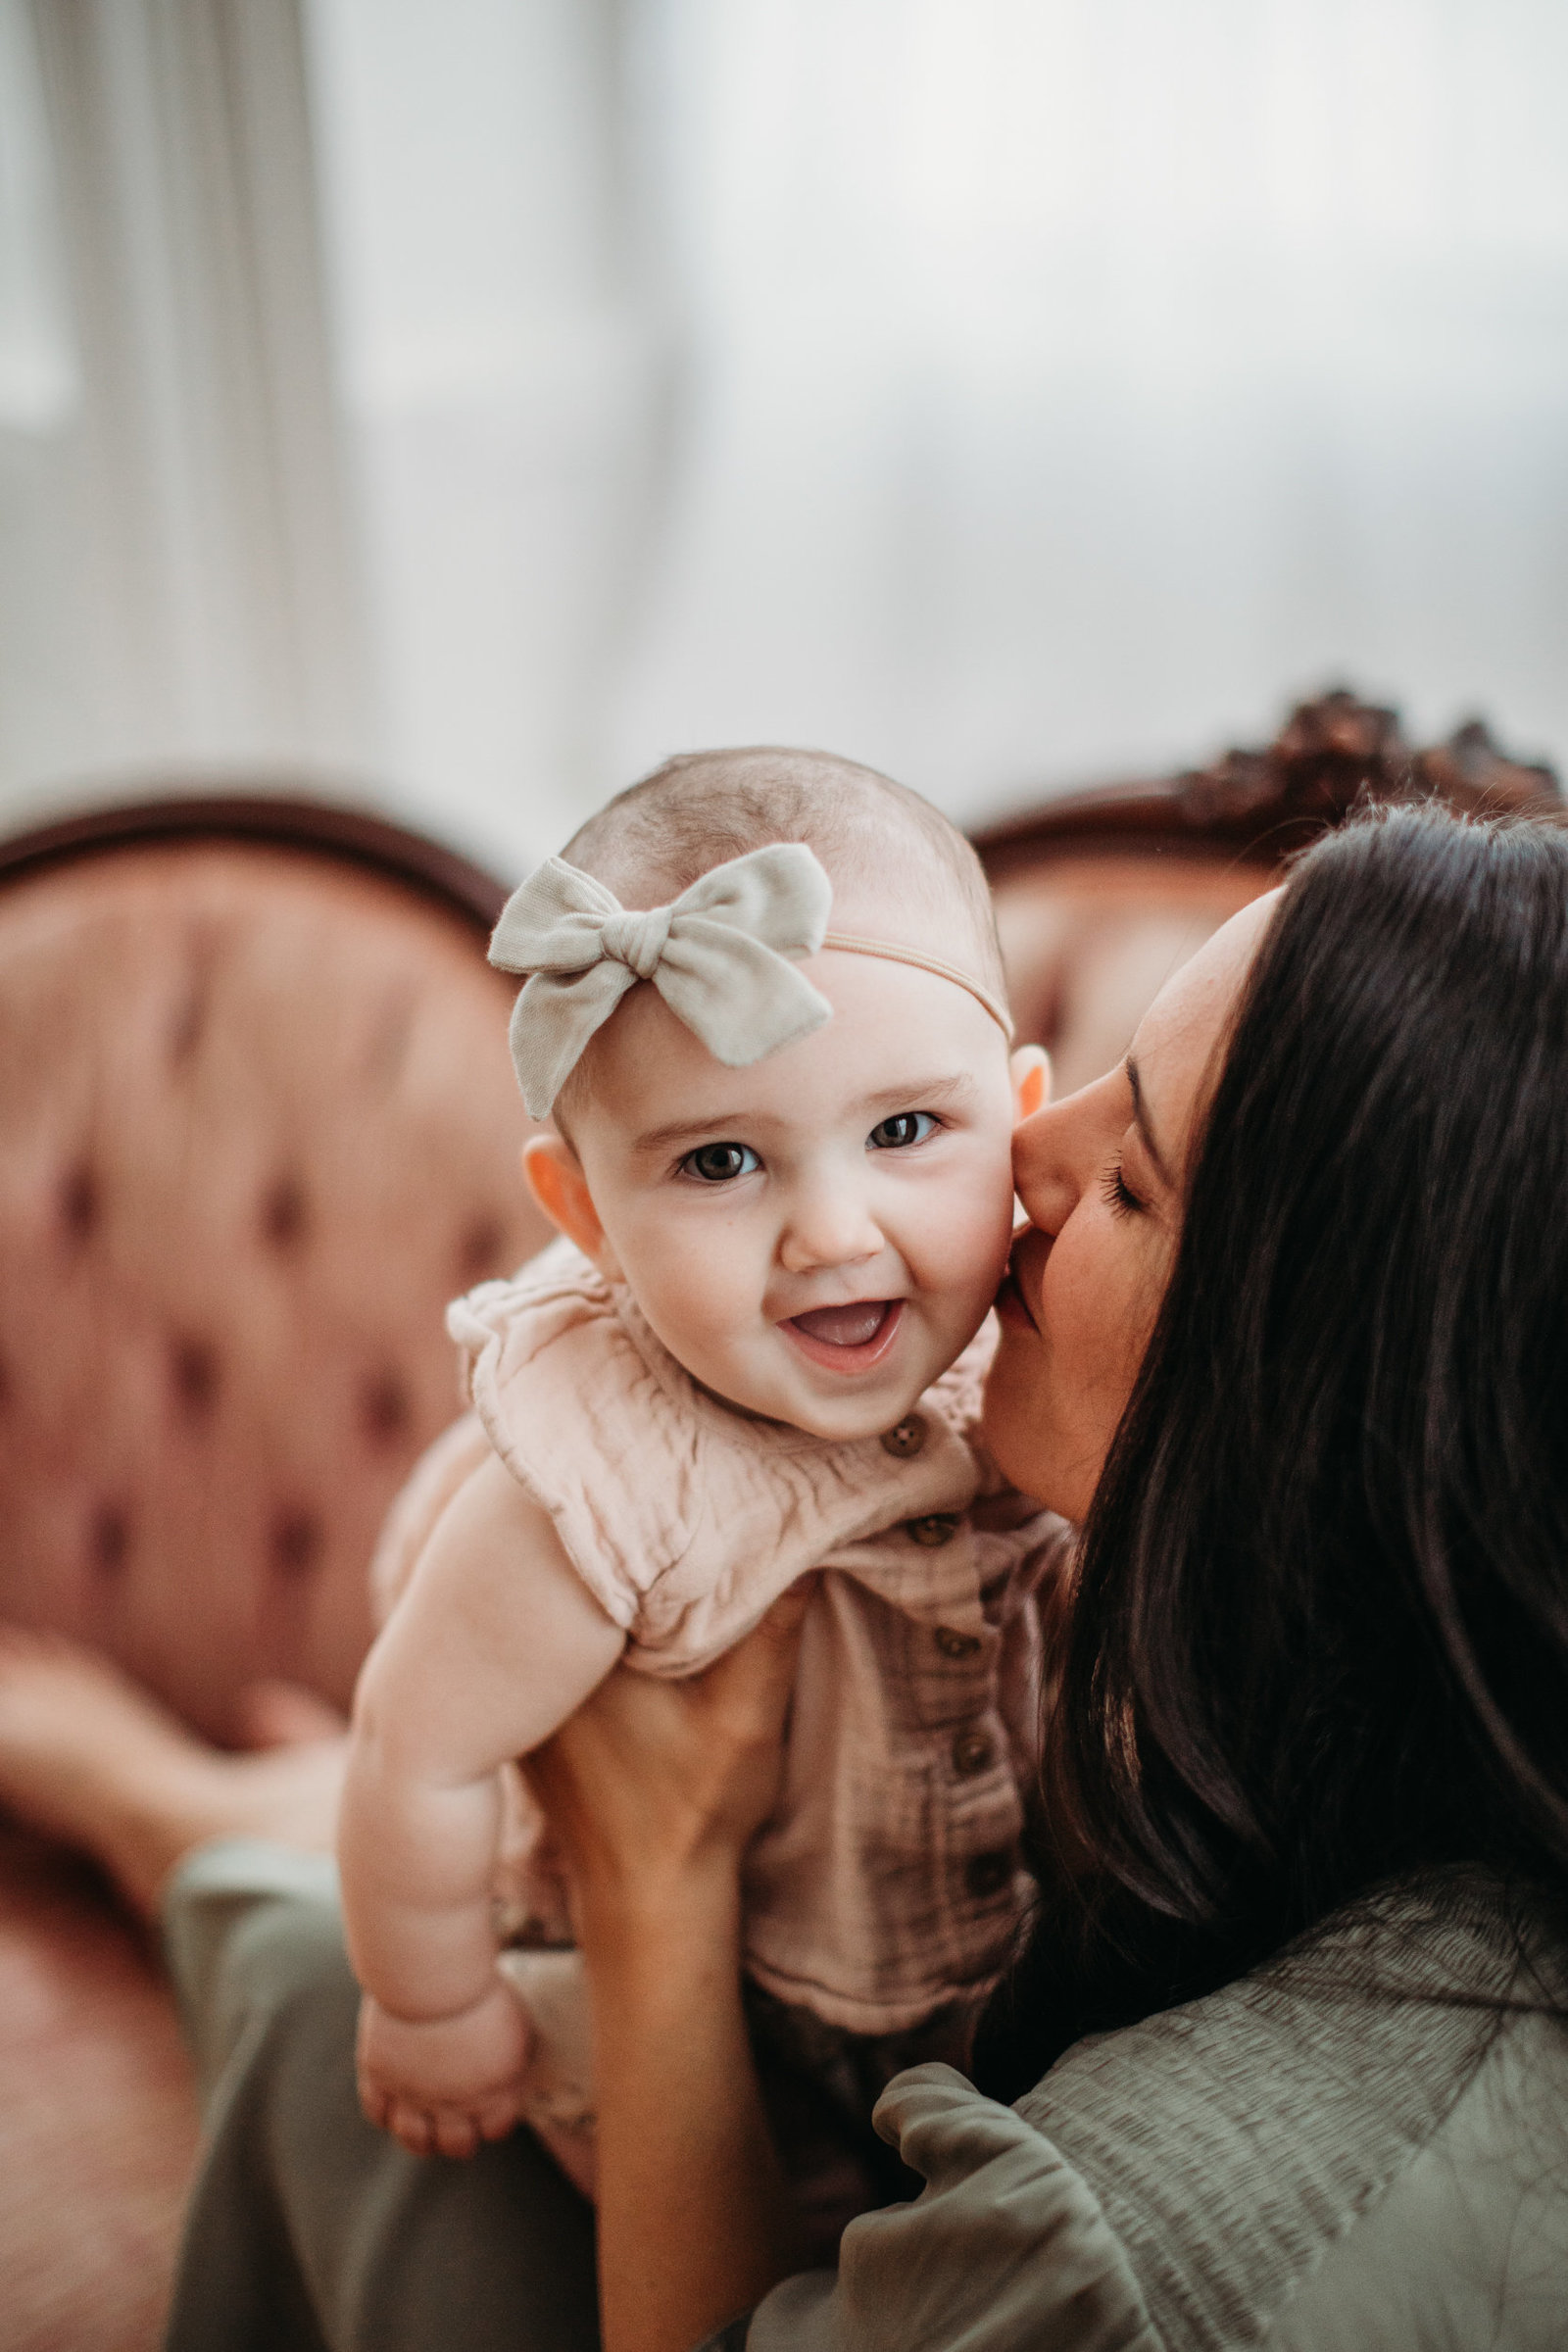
(283, 1212)
(479, 1249)
(296, 1542)
(937, 1528)
(986, 1875)
(954, 1644)
(385, 1406)
(904, 1438)
(193, 1368)
(78, 1201)
(109, 1538)
(186, 1029)
(972, 1751)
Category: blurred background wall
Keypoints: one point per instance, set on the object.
(463, 402)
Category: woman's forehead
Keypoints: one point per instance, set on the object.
(1180, 1037)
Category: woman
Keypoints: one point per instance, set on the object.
(1289, 1334)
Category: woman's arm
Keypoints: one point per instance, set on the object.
(494, 1642)
(656, 1791)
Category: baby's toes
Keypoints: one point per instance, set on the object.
(498, 2116)
(456, 2134)
(412, 2125)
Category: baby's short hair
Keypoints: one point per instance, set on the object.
(654, 840)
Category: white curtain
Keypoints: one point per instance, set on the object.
(1075, 380)
(177, 562)
(504, 367)
(1007, 392)
(39, 397)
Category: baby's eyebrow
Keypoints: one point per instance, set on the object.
(686, 1131)
(952, 1087)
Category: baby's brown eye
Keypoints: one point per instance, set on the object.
(720, 1163)
(904, 1128)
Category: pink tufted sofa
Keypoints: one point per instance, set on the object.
(257, 1124)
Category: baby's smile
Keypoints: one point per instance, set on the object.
(854, 1338)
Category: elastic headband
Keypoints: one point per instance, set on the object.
(894, 953)
(722, 956)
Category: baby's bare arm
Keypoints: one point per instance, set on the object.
(495, 1641)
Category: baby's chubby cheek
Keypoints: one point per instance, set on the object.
(699, 1289)
(979, 1228)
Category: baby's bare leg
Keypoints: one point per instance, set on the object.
(91, 1758)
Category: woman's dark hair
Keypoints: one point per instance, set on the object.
(1320, 1635)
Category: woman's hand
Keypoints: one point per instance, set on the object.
(654, 1791)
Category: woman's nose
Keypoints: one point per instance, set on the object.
(1044, 1173)
(828, 1226)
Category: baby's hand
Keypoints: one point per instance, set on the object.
(442, 2084)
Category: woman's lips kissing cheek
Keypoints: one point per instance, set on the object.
(1021, 1280)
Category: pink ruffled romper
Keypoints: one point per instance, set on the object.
(882, 1896)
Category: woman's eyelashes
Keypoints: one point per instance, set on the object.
(720, 1163)
(1119, 1195)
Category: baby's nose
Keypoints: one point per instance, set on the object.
(829, 1227)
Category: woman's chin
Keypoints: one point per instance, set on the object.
(1020, 1431)
(1010, 1431)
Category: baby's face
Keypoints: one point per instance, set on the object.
(817, 1237)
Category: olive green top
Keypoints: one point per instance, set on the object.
(1362, 2147)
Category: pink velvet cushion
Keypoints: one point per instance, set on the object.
(257, 1124)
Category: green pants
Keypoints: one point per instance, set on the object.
(308, 2231)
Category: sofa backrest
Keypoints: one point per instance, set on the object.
(257, 1123)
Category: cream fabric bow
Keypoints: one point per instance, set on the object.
(717, 955)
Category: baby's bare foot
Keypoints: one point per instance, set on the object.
(89, 1758)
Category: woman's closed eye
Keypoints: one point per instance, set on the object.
(1119, 1195)
(906, 1127)
(720, 1163)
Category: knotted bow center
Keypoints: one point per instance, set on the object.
(723, 958)
(637, 940)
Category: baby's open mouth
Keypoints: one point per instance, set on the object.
(848, 1339)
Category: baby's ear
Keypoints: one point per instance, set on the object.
(553, 1175)
(1030, 1081)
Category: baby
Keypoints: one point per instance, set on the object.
(781, 1169)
